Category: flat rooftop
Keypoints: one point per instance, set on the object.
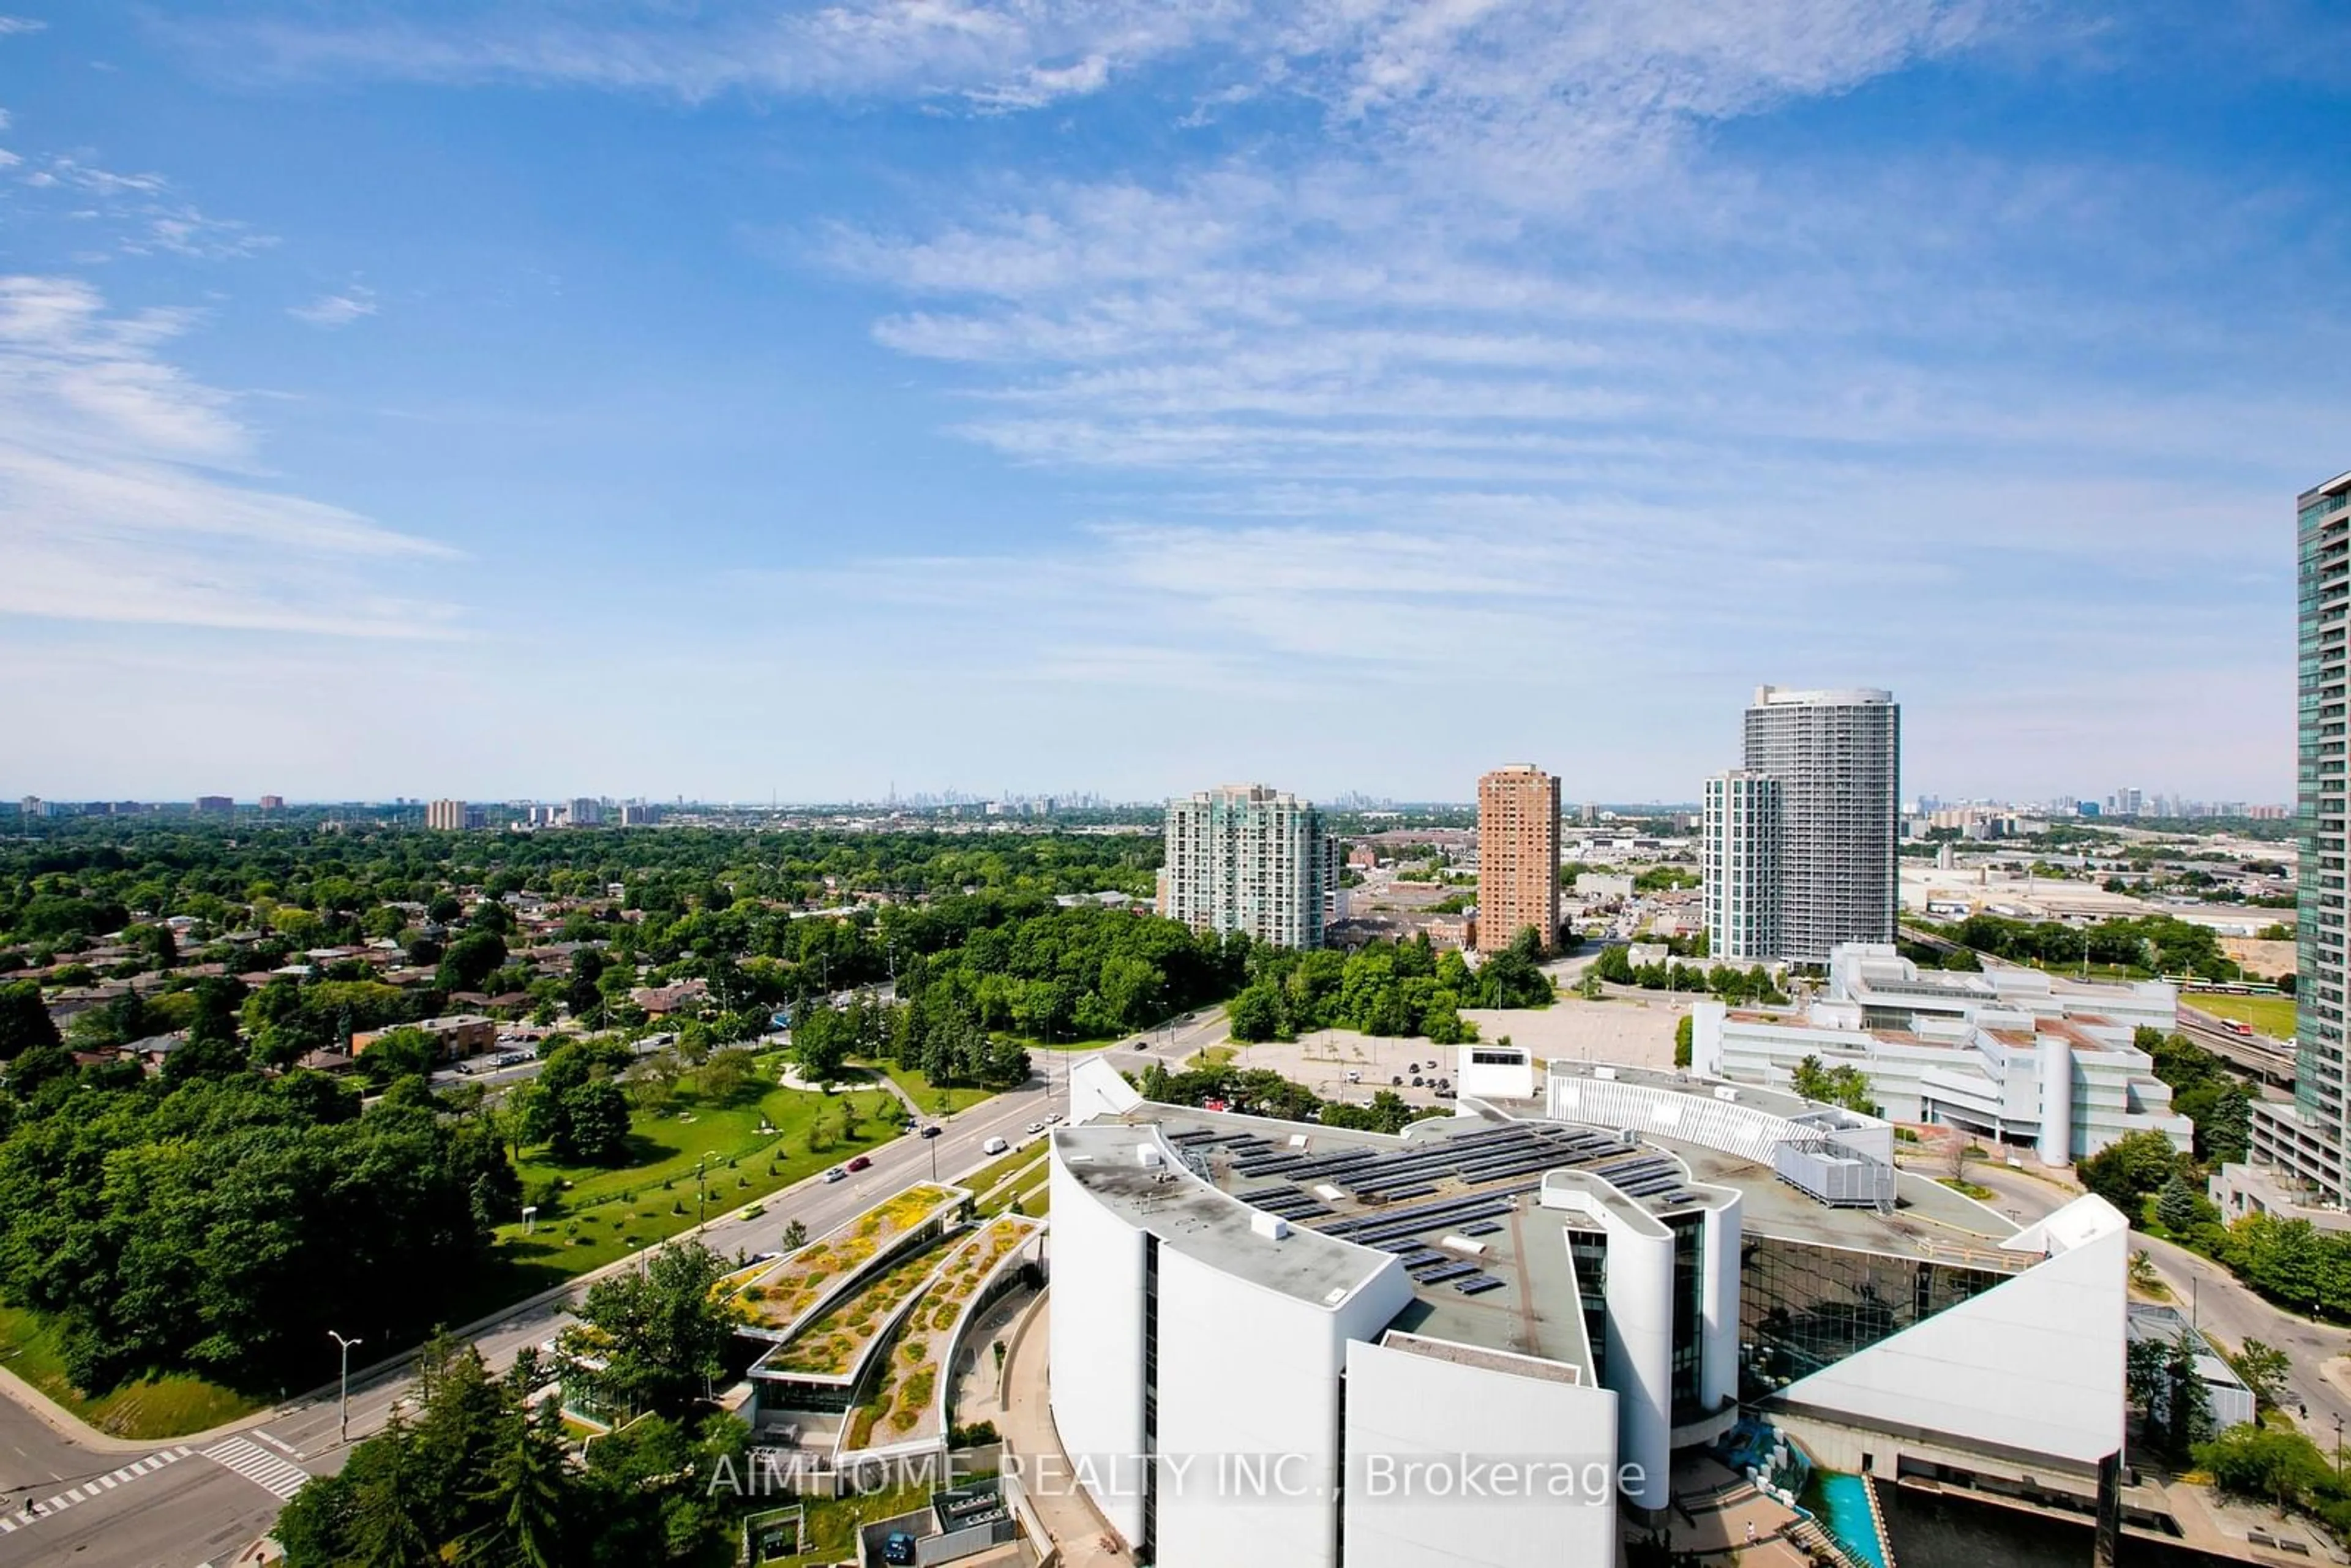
(1481, 1226)
(1205, 1222)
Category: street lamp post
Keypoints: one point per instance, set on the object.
(702, 1191)
(343, 1403)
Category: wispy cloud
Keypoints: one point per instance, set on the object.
(993, 55)
(14, 25)
(149, 215)
(130, 492)
(332, 311)
(1482, 325)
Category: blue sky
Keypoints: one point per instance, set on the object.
(725, 398)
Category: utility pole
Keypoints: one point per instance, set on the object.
(702, 1189)
(343, 1405)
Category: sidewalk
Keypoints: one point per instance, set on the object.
(1082, 1537)
(82, 1435)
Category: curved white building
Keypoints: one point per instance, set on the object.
(1275, 1342)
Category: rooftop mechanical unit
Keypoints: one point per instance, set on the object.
(1833, 1175)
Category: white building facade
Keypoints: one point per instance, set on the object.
(2010, 1055)
(1277, 1343)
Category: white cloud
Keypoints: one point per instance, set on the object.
(332, 311)
(12, 25)
(150, 217)
(994, 56)
(1488, 332)
(128, 491)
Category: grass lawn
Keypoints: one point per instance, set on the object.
(995, 1171)
(920, 1090)
(151, 1408)
(1019, 1176)
(2273, 1016)
(609, 1213)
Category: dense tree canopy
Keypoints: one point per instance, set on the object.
(2151, 943)
(224, 1221)
(478, 1475)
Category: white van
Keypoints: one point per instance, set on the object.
(994, 1146)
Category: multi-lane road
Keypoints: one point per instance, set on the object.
(68, 1499)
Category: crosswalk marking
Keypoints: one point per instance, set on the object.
(34, 1512)
(279, 1477)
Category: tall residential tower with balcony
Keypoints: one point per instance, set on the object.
(2304, 1138)
(1518, 856)
(1836, 757)
(1741, 859)
(1242, 857)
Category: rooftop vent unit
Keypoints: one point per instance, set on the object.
(1146, 1154)
(1833, 1175)
(1272, 1227)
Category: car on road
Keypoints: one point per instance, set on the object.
(861, 1164)
(836, 1174)
(933, 1130)
(994, 1146)
(1354, 1076)
(1051, 1117)
(1036, 1127)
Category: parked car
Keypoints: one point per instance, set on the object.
(1395, 1079)
(860, 1164)
(1415, 1080)
(466, 1068)
(836, 1174)
(994, 1146)
(1034, 1127)
(897, 1547)
(1354, 1076)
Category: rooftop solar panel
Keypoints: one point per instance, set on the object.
(1477, 1285)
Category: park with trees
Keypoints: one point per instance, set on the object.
(209, 1220)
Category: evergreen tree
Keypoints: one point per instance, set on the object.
(2177, 1204)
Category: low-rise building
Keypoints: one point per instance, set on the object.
(458, 1035)
(2010, 1054)
(676, 997)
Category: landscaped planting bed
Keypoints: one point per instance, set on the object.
(781, 1298)
(904, 1407)
(835, 1344)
